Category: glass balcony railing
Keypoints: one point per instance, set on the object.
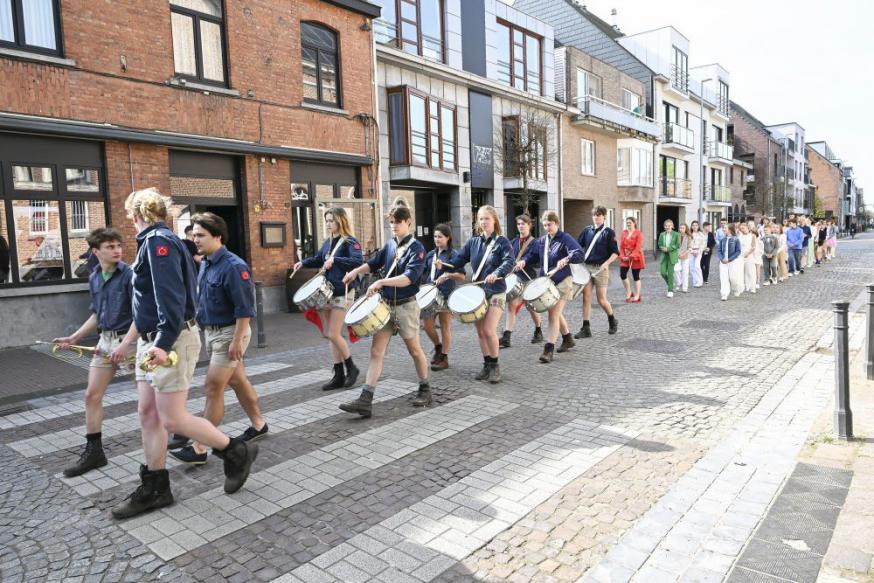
(718, 193)
(719, 150)
(610, 112)
(677, 134)
(675, 187)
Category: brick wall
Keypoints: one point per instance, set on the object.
(829, 182)
(751, 139)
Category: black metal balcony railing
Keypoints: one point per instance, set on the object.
(679, 79)
(677, 134)
(675, 187)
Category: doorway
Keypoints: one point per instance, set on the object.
(432, 208)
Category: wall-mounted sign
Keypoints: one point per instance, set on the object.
(272, 234)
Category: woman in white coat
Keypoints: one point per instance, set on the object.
(684, 255)
(699, 244)
(747, 255)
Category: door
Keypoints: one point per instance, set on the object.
(432, 208)
(232, 216)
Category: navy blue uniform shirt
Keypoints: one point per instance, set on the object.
(225, 290)
(604, 247)
(411, 264)
(347, 257)
(560, 246)
(448, 256)
(165, 296)
(500, 261)
(111, 299)
(531, 267)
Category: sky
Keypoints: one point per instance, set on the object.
(806, 61)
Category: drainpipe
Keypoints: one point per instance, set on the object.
(380, 233)
(560, 173)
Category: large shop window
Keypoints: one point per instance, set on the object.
(519, 58)
(422, 130)
(414, 26)
(51, 196)
(198, 40)
(321, 65)
(31, 25)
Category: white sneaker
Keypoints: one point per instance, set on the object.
(752, 291)
(767, 283)
(791, 273)
(724, 298)
(670, 294)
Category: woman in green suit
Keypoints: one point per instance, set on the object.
(669, 245)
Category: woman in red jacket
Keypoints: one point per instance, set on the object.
(631, 257)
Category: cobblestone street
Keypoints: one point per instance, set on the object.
(651, 455)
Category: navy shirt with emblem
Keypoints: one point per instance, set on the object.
(165, 296)
(530, 266)
(111, 298)
(225, 290)
(500, 261)
(411, 264)
(449, 256)
(347, 257)
(604, 247)
(560, 246)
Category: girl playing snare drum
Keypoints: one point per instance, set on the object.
(445, 279)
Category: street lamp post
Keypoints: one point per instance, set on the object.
(701, 152)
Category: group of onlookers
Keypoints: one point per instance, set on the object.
(750, 254)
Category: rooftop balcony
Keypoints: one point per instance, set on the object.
(610, 113)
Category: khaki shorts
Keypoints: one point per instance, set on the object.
(174, 378)
(342, 302)
(405, 319)
(600, 280)
(567, 289)
(105, 346)
(218, 342)
(498, 301)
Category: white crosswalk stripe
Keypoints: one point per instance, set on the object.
(124, 468)
(197, 521)
(67, 438)
(427, 538)
(117, 394)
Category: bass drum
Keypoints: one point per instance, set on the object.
(368, 315)
(541, 294)
(468, 303)
(315, 293)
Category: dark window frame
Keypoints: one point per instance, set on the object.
(337, 68)
(515, 169)
(442, 105)
(400, 20)
(18, 31)
(196, 17)
(525, 34)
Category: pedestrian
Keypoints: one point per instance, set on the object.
(491, 257)
(794, 241)
(400, 262)
(853, 230)
(188, 241)
(669, 245)
(782, 253)
(684, 259)
(111, 317)
(698, 247)
(821, 242)
(164, 303)
(445, 279)
(225, 308)
(598, 242)
(519, 244)
(806, 244)
(339, 254)
(555, 250)
(707, 253)
(730, 264)
(747, 242)
(758, 256)
(832, 238)
(631, 257)
(770, 245)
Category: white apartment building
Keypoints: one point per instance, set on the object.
(796, 166)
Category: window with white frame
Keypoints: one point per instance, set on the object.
(634, 166)
(588, 84)
(609, 220)
(633, 214)
(39, 217)
(78, 216)
(587, 154)
(631, 101)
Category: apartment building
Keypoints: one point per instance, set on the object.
(741, 177)
(212, 102)
(461, 85)
(797, 196)
(826, 174)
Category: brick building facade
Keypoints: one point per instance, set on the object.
(829, 184)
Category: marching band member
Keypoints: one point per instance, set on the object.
(164, 301)
(111, 317)
(598, 242)
(520, 244)
(491, 257)
(340, 254)
(225, 306)
(401, 260)
(445, 279)
(556, 249)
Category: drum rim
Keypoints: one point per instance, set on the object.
(304, 285)
(531, 285)
(355, 304)
(467, 286)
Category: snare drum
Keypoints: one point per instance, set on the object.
(368, 315)
(515, 285)
(580, 276)
(541, 294)
(430, 301)
(315, 293)
(468, 303)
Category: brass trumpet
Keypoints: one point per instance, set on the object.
(148, 366)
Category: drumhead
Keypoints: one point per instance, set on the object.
(361, 308)
(512, 281)
(426, 294)
(307, 289)
(580, 274)
(466, 298)
(535, 288)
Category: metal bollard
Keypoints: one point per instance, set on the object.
(869, 336)
(259, 315)
(843, 415)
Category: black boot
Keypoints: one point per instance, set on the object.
(546, 357)
(487, 367)
(92, 457)
(585, 331)
(363, 405)
(567, 342)
(438, 352)
(352, 372)
(495, 372)
(505, 339)
(238, 457)
(614, 325)
(337, 380)
(152, 493)
(538, 336)
(423, 398)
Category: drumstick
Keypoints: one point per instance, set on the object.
(293, 273)
(346, 298)
(482, 281)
